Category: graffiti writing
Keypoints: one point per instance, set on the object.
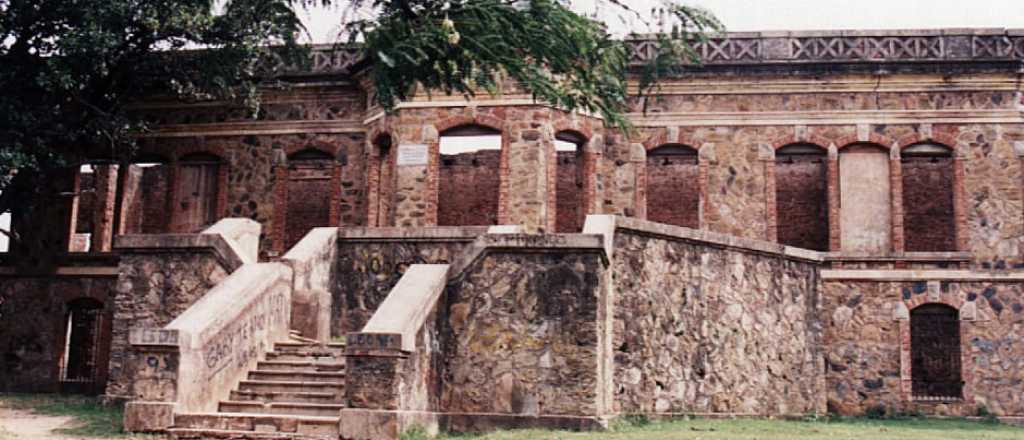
(246, 338)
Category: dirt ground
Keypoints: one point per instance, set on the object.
(18, 425)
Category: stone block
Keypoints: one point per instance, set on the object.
(148, 416)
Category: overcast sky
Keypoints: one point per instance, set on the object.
(762, 15)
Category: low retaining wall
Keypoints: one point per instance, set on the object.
(700, 320)
(161, 276)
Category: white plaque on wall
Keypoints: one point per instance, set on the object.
(412, 155)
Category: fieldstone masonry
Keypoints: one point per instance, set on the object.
(892, 162)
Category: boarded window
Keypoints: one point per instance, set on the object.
(801, 196)
(470, 177)
(569, 196)
(83, 335)
(673, 186)
(865, 206)
(928, 220)
(196, 189)
(309, 194)
(935, 352)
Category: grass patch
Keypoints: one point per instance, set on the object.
(91, 418)
(825, 429)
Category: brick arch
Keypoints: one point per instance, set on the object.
(460, 120)
(321, 146)
(941, 139)
(661, 138)
(574, 126)
(944, 299)
(885, 142)
(188, 150)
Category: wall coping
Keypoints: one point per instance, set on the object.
(715, 239)
(439, 233)
(488, 243)
(206, 316)
(242, 234)
(405, 309)
(181, 243)
(920, 275)
(901, 256)
(311, 245)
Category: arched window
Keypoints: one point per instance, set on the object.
(673, 186)
(569, 182)
(469, 178)
(196, 191)
(308, 193)
(928, 220)
(865, 216)
(801, 196)
(935, 352)
(80, 369)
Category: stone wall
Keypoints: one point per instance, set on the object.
(867, 344)
(153, 288)
(523, 332)
(33, 325)
(699, 320)
(371, 261)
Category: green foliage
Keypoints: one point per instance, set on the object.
(558, 56)
(71, 70)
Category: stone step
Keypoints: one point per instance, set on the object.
(325, 365)
(333, 347)
(206, 434)
(277, 396)
(312, 355)
(312, 426)
(284, 408)
(291, 386)
(297, 376)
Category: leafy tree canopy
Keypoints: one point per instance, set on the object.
(71, 68)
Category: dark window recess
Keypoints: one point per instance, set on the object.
(928, 220)
(801, 197)
(673, 189)
(84, 324)
(935, 353)
(569, 196)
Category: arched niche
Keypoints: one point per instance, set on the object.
(865, 216)
(308, 193)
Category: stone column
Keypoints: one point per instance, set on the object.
(530, 142)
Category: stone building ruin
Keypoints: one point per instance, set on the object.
(806, 223)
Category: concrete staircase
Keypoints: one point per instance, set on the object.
(296, 393)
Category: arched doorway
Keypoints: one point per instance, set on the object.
(308, 193)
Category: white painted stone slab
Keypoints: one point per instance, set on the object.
(412, 155)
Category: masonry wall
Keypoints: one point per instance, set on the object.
(698, 328)
(367, 269)
(33, 324)
(153, 289)
(523, 335)
(864, 343)
(673, 190)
